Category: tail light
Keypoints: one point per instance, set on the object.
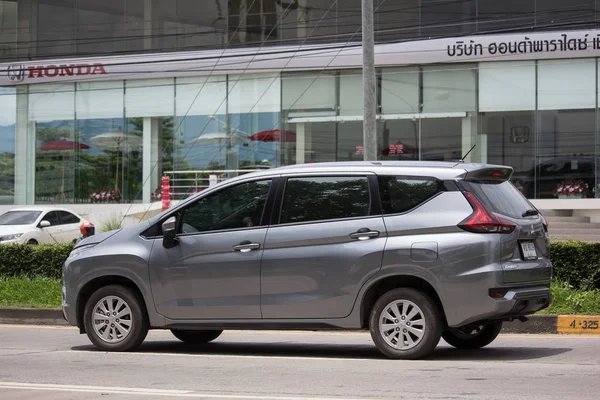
(482, 221)
(544, 222)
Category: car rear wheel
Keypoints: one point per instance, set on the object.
(195, 337)
(405, 324)
(473, 337)
(115, 319)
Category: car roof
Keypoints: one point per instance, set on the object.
(436, 169)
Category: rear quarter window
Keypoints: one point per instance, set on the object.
(400, 194)
(500, 197)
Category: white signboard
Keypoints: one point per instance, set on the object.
(546, 45)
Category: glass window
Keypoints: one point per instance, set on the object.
(507, 86)
(150, 97)
(401, 194)
(51, 102)
(19, 217)
(254, 93)
(201, 96)
(502, 16)
(325, 198)
(8, 29)
(56, 39)
(442, 138)
(566, 151)
(309, 91)
(52, 217)
(566, 84)
(508, 138)
(396, 20)
(99, 100)
(400, 90)
(67, 218)
(501, 198)
(449, 88)
(8, 117)
(100, 26)
(235, 207)
(351, 93)
(552, 13)
(447, 17)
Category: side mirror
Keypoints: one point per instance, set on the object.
(169, 229)
(45, 224)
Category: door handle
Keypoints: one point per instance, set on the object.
(246, 246)
(364, 234)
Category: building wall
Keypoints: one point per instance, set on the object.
(34, 29)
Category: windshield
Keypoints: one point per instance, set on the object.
(502, 198)
(19, 217)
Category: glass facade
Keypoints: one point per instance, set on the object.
(99, 141)
(29, 28)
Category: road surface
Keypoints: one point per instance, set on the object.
(59, 363)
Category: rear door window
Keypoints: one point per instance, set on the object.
(400, 194)
(324, 198)
(500, 197)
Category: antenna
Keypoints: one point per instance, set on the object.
(462, 159)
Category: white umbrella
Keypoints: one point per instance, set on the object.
(220, 138)
(117, 141)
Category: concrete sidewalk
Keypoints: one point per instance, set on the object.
(547, 324)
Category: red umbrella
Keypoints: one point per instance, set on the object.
(63, 144)
(274, 135)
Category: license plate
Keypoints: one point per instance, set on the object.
(529, 252)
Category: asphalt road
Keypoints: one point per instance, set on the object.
(58, 363)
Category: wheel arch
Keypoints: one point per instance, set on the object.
(94, 284)
(385, 284)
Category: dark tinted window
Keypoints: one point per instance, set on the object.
(401, 194)
(505, 16)
(322, 198)
(19, 217)
(52, 217)
(502, 198)
(67, 218)
(239, 206)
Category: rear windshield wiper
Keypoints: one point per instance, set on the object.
(530, 213)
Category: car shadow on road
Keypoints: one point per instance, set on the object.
(328, 350)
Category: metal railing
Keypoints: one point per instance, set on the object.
(187, 183)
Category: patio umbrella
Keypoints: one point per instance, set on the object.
(63, 145)
(220, 138)
(274, 135)
(117, 141)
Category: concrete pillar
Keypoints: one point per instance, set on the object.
(300, 143)
(24, 151)
(469, 137)
(152, 160)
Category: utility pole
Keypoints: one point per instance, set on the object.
(369, 83)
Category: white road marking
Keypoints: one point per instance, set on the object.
(152, 392)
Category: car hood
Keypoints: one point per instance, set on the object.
(12, 229)
(98, 238)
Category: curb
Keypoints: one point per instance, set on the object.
(536, 324)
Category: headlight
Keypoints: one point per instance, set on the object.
(14, 236)
(81, 249)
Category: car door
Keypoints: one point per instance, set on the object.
(214, 270)
(70, 226)
(328, 240)
(52, 233)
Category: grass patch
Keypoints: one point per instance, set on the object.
(568, 300)
(30, 292)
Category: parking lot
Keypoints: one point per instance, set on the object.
(58, 363)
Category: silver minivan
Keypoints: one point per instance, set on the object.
(412, 251)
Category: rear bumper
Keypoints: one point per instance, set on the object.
(516, 303)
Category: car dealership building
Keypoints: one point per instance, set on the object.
(99, 101)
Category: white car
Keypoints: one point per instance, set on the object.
(41, 225)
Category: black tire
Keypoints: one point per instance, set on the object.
(195, 337)
(32, 242)
(473, 338)
(432, 328)
(139, 324)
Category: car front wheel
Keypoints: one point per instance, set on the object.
(115, 319)
(405, 324)
(473, 337)
(195, 337)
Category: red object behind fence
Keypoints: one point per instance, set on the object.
(166, 192)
